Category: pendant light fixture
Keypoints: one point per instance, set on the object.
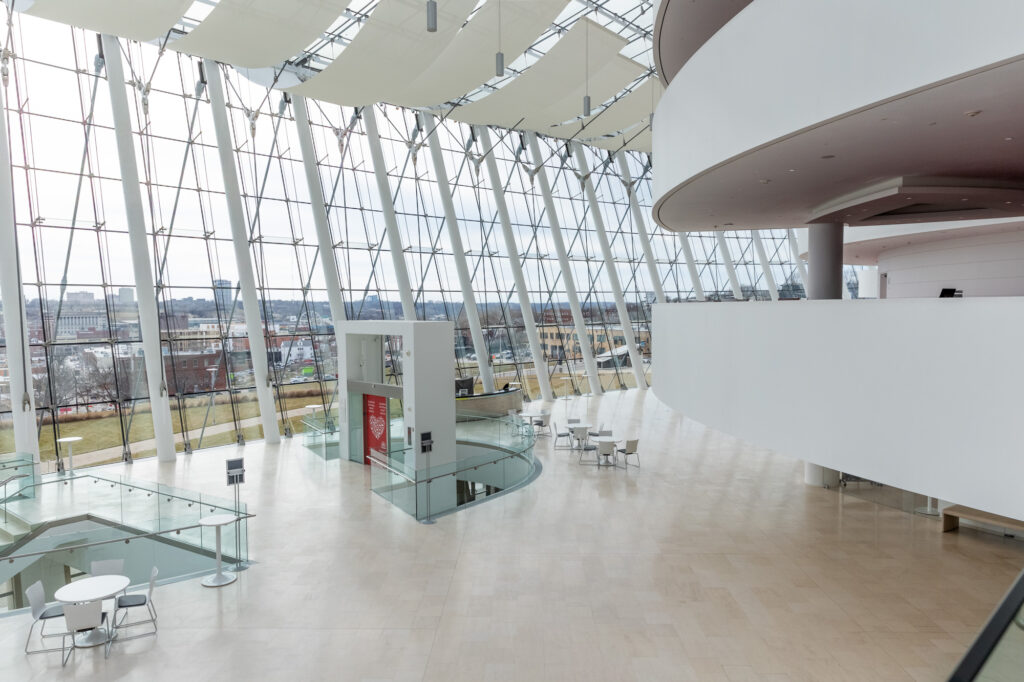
(431, 16)
(499, 56)
(586, 70)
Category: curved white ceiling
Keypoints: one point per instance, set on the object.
(140, 20)
(255, 33)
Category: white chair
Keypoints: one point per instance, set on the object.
(107, 567)
(600, 431)
(606, 449)
(544, 422)
(41, 612)
(131, 601)
(82, 618)
(630, 449)
(579, 434)
(560, 435)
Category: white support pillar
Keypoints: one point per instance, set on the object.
(316, 199)
(586, 350)
(691, 266)
(149, 319)
(794, 252)
(483, 355)
(387, 203)
(512, 249)
(19, 364)
(641, 227)
(766, 265)
(243, 260)
(610, 269)
(730, 269)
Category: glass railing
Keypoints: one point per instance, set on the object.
(61, 508)
(492, 455)
(997, 655)
(17, 475)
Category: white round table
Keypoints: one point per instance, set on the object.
(220, 578)
(96, 588)
(576, 430)
(70, 440)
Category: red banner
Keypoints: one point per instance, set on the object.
(375, 425)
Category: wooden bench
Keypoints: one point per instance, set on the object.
(951, 519)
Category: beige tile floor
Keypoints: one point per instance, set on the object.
(711, 562)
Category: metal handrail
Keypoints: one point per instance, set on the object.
(450, 473)
(142, 487)
(140, 536)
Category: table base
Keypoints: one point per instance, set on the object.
(219, 579)
(95, 637)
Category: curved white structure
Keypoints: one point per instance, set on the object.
(898, 124)
(916, 394)
(793, 105)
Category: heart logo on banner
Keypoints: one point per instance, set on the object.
(377, 426)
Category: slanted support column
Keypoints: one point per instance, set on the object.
(512, 249)
(387, 203)
(589, 363)
(138, 240)
(243, 260)
(316, 199)
(730, 269)
(825, 282)
(609, 265)
(691, 266)
(794, 251)
(19, 365)
(483, 355)
(641, 227)
(766, 265)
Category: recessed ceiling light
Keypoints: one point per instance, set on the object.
(1008, 139)
(964, 199)
(829, 156)
(1007, 202)
(792, 170)
(764, 181)
(972, 113)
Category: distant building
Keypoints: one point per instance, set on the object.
(224, 295)
(126, 296)
(81, 297)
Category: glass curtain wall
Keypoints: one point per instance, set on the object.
(79, 290)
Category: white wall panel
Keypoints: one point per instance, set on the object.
(920, 394)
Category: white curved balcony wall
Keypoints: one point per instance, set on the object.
(784, 66)
(920, 394)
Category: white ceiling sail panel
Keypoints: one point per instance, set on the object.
(562, 67)
(627, 112)
(391, 50)
(256, 33)
(468, 61)
(140, 20)
(611, 79)
(634, 140)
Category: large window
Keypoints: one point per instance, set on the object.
(82, 305)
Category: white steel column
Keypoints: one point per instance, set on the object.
(243, 261)
(691, 266)
(316, 199)
(794, 252)
(483, 355)
(512, 250)
(641, 227)
(610, 269)
(730, 269)
(390, 220)
(149, 319)
(766, 266)
(19, 364)
(563, 261)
